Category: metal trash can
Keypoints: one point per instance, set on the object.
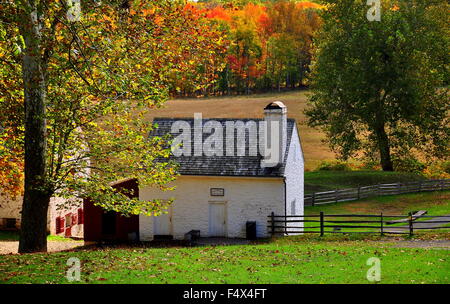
(250, 230)
(192, 235)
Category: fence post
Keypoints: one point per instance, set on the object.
(381, 224)
(420, 186)
(410, 220)
(399, 185)
(336, 196)
(359, 192)
(321, 224)
(272, 217)
(313, 198)
(285, 225)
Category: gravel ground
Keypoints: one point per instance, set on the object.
(442, 244)
(9, 247)
(431, 223)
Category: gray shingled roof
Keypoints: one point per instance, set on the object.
(221, 165)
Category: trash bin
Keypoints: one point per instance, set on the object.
(195, 234)
(250, 230)
(192, 235)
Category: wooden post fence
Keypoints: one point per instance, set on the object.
(321, 224)
(410, 220)
(344, 223)
(334, 196)
(381, 224)
(272, 217)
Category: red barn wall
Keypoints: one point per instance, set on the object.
(123, 225)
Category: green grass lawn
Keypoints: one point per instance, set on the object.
(9, 236)
(295, 259)
(283, 260)
(317, 181)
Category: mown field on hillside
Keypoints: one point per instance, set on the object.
(252, 107)
(317, 181)
(435, 203)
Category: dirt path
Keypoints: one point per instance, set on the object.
(11, 247)
(441, 244)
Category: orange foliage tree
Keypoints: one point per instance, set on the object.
(271, 43)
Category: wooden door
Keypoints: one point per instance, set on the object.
(217, 219)
(162, 224)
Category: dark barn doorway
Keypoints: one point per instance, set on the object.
(100, 225)
(109, 223)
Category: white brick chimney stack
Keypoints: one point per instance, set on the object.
(275, 115)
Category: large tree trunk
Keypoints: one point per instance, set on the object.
(33, 235)
(33, 230)
(383, 144)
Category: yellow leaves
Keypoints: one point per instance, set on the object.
(146, 12)
(159, 20)
(110, 21)
(59, 37)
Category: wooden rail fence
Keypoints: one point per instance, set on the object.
(351, 194)
(353, 223)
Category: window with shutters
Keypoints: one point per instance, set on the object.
(68, 220)
(10, 223)
(58, 225)
(61, 224)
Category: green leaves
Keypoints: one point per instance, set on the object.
(102, 75)
(379, 87)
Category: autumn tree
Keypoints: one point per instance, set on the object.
(290, 47)
(197, 67)
(72, 92)
(379, 87)
(271, 43)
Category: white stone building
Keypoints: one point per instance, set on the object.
(10, 209)
(218, 195)
(67, 221)
(215, 194)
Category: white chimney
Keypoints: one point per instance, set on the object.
(275, 116)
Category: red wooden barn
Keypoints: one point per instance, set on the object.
(100, 225)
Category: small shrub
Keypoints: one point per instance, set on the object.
(446, 167)
(334, 165)
(371, 165)
(438, 170)
(408, 164)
